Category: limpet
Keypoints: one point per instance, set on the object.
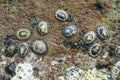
(43, 28)
(61, 15)
(23, 34)
(69, 31)
(89, 37)
(39, 47)
(95, 50)
(23, 49)
(102, 32)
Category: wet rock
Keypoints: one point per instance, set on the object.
(69, 31)
(4, 78)
(9, 39)
(99, 8)
(24, 71)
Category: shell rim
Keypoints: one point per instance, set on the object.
(26, 29)
(37, 52)
(60, 18)
(94, 56)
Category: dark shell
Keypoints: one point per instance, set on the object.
(9, 39)
(10, 50)
(95, 50)
(117, 51)
(23, 49)
(43, 28)
(39, 47)
(69, 31)
(23, 34)
(89, 37)
(61, 15)
(102, 33)
(10, 69)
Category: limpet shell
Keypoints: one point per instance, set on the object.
(23, 49)
(89, 37)
(23, 34)
(10, 50)
(74, 73)
(69, 31)
(39, 47)
(117, 51)
(61, 15)
(95, 50)
(43, 28)
(102, 32)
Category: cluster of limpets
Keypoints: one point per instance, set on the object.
(88, 38)
(40, 47)
(23, 34)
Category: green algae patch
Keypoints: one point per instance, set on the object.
(112, 18)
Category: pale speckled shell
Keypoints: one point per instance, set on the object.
(97, 48)
(89, 37)
(69, 31)
(23, 49)
(118, 65)
(117, 51)
(43, 28)
(74, 73)
(24, 71)
(115, 71)
(102, 32)
(23, 34)
(39, 47)
(61, 15)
